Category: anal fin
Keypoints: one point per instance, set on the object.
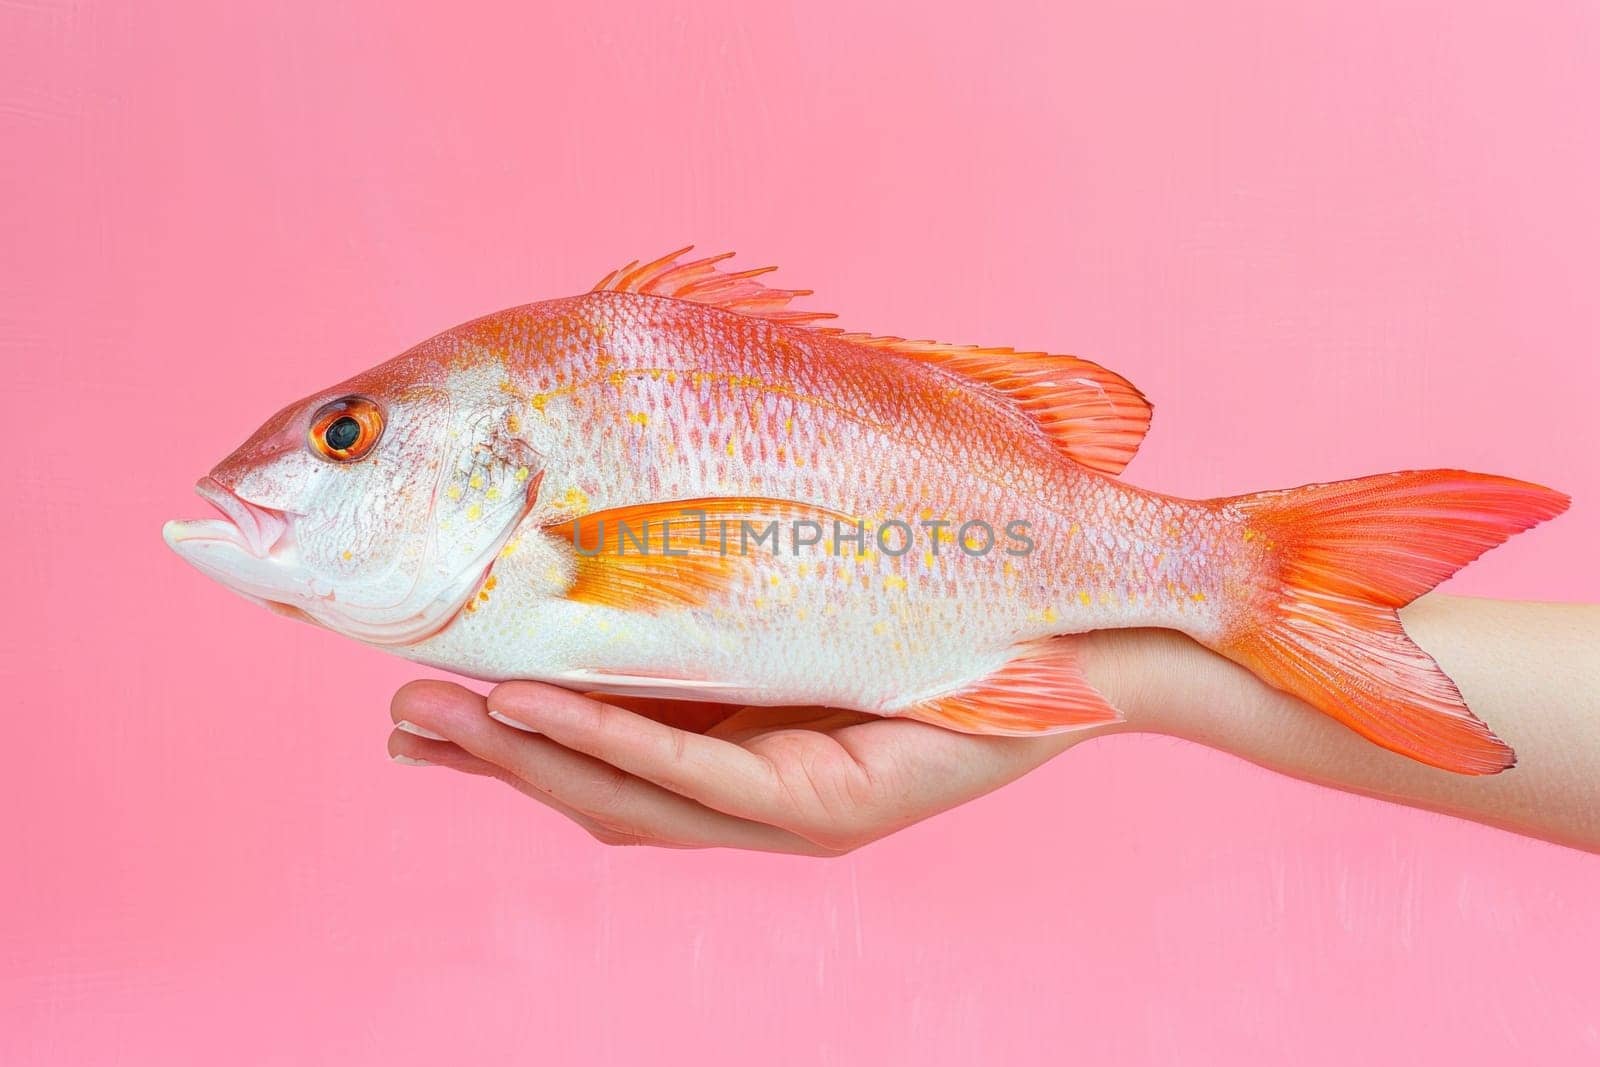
(1041, 690)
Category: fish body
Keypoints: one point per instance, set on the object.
(676, 485)
(708, 405)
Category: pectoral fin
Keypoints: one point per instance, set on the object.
(678, 553)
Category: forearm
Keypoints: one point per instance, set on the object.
(1532, 671)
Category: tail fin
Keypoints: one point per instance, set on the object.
(1347, 555)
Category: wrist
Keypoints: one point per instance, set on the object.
(1158, 679)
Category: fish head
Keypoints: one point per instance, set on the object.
(373, 508)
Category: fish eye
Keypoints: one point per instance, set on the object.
(346, 429)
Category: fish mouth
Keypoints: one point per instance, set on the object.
(250, 549)
(249, 527)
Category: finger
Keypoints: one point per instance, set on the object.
(698, 716)
(601, 792)
(412, 744)
(710, 770)
(626, 804)
(413, 751)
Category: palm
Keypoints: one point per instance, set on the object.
(810, 780)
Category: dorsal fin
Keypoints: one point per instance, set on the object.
(1093, 416)
(701, 282)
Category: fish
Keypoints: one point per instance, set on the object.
(681, 485)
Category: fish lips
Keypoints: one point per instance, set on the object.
(245, 550)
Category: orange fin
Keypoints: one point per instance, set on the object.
(1093, 416)
(701, 282)
(1348, 555)
(1040, 691)
(676, 553)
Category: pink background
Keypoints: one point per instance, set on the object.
(1327, 239)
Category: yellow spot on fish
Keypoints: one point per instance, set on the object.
(493, 493)
(730, 446)
(490, 582)
(522, 474)
(1051, 615)
(617, 378)
(513, 423)
(1197, 597)
(454, 492)
(474, 512)
(639, 417)
(1083, 597)
(880, 628)
(1249, 535)
(476, 481)
(511, 547)
(773, 580)
(893, 581)
(348, 554)
(539, 400)
(927, 558)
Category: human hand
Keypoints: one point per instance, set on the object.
(820, 782)
(810, 781)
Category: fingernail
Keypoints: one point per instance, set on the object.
(409, 761)
(414, 729)
(514, 724)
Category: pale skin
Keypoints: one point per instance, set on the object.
(821, 783)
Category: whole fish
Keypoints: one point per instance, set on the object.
(678, 485)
